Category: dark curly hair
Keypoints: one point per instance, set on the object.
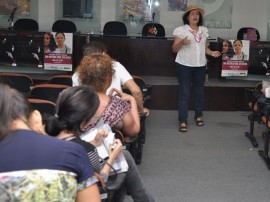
(96, 70)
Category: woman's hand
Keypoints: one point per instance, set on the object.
(99, 137)
(122, 95)
(114, 151)
(185, 41)
(215, 54)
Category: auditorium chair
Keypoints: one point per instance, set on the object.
(265, 152)
(20, 82)
(153, 29)
(45, 107)
(135, 144)
(65, 79)
(243, 31)
(47, 91)
(255, 112)
(146, 92)
(145, 88)
(66, 26)
(26, 24)
(115, 28)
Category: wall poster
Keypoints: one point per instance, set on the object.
(20, 7)
(218, 13)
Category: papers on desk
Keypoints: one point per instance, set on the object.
(120, 164)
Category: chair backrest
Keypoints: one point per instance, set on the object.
(61, 79)
(26, 24)
(115, 28)
(153, 29)
(20, 82)
(45, 107)
(64, 26)
(47, 91)
(145, 88)
(250, 33)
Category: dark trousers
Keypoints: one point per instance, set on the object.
(188, 78)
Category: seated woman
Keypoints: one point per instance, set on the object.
(76, 107)
(120, 110)
(38, 167)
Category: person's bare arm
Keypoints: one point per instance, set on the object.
(137, 94)
(178, 43)
(90, 194)
(131, 120)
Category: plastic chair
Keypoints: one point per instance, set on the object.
(115, 28)
(61, 79)
(145, 88)
(153, 29)
(64, 26)
(20, 82)
(255, 112)
(47, 91)
(25, 24)
(264, 153)
(244, 32)
(45, 107)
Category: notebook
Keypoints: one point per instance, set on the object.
(120, 164)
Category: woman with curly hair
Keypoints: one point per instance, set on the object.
(119, 110)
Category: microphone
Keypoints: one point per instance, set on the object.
(12, 14)
(153, 16)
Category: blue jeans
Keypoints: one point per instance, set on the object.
(188, 78)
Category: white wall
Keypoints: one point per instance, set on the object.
(245, 13)
(46, 14)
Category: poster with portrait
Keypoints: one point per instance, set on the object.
(22, 7)
(58, 48)
(8, 48)
(235, 58)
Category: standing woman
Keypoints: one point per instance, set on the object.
(191, 46)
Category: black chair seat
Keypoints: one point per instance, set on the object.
(64, 26)
(115, 28)
(20, 82)
(25, 24)
(153, 30)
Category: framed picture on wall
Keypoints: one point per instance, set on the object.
(15, 7)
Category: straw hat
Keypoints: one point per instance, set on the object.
(193, 7)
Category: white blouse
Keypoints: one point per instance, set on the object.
(192, 55)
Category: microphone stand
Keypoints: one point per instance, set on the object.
(11, 18)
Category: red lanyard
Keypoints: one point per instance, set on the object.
(197, 37)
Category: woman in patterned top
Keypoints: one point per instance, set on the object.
(38, 167)
(120, 110)
(75, 108)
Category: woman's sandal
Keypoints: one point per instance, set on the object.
(199, 121)
(183, 127)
